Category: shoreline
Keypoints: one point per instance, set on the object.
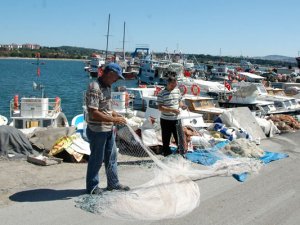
(60, 59)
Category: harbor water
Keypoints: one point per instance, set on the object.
(63, 78)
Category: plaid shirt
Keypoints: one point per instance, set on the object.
(98, 97)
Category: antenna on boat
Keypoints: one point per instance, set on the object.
(124, 45)
(107, 35)
(36, 86)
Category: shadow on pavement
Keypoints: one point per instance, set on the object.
(40, 195)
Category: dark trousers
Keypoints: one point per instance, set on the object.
(168, 127)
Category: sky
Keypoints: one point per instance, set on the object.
(215, 27)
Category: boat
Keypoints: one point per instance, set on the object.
(29, 112)
(3, 120)
(187, 118)
(199, 87)
(203, 105)
(87, 66)
(252, 94)
(246, 65)
(36, 112)
(298, 61)
(96, 63)
(156, 71)
(220, 72)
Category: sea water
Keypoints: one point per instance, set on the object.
(63, 78)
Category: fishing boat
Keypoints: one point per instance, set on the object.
(199, 87)
(29, 112)
(37, 112)
(157, 71)
(96, 62)
(203, 105)
(252, 94)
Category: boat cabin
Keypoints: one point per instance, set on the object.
(203, 105)
(37, 112)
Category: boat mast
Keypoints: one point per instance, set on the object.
(107, 37)
(124, 44)
(38, 73)
(124, 41)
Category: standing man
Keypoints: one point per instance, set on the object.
(99, 131)
(169, 102)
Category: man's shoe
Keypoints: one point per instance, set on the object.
(96, 191)
(119, 187)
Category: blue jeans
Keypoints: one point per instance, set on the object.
(103, 147)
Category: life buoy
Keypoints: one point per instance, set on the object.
(16, 102)
(227, 85)
(183, 89)
(195, 89)
(157, 90)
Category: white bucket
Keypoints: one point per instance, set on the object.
(199, 141)
(118, 101)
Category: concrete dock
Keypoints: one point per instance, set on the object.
(32, 194)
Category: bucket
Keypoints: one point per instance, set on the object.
(199, 141)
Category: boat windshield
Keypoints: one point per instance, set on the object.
(261, 89)
(287, 103)
(294, 102)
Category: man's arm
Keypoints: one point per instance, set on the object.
(163, 108)
(115, 114)
(182, 105)
(97, 115)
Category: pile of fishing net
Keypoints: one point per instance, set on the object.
(171, 192)
(285, 123)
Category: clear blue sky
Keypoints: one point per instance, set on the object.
(247, 27)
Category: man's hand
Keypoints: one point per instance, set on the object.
(119, 120)
(176, 111)
(184, 107)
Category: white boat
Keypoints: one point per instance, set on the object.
(29, 112)
(200, 87)
(155, 72)
(220, 71)
(3, 120)
(37, 112)
(246, 65)
(187, 118)
(250, 94)
(96, 62)
(203, 105)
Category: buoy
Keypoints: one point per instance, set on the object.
(195, 89)
(183, 89)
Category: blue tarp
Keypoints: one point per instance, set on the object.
(208, 157)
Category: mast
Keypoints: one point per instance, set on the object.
(124, 43)
(107, 37)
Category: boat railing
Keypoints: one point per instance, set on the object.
(35, 107)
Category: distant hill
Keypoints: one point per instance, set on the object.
(279, 58)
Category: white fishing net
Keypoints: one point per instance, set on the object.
(171, 193)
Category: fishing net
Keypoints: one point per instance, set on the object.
(170, 193)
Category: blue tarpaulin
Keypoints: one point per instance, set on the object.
(208, 157)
